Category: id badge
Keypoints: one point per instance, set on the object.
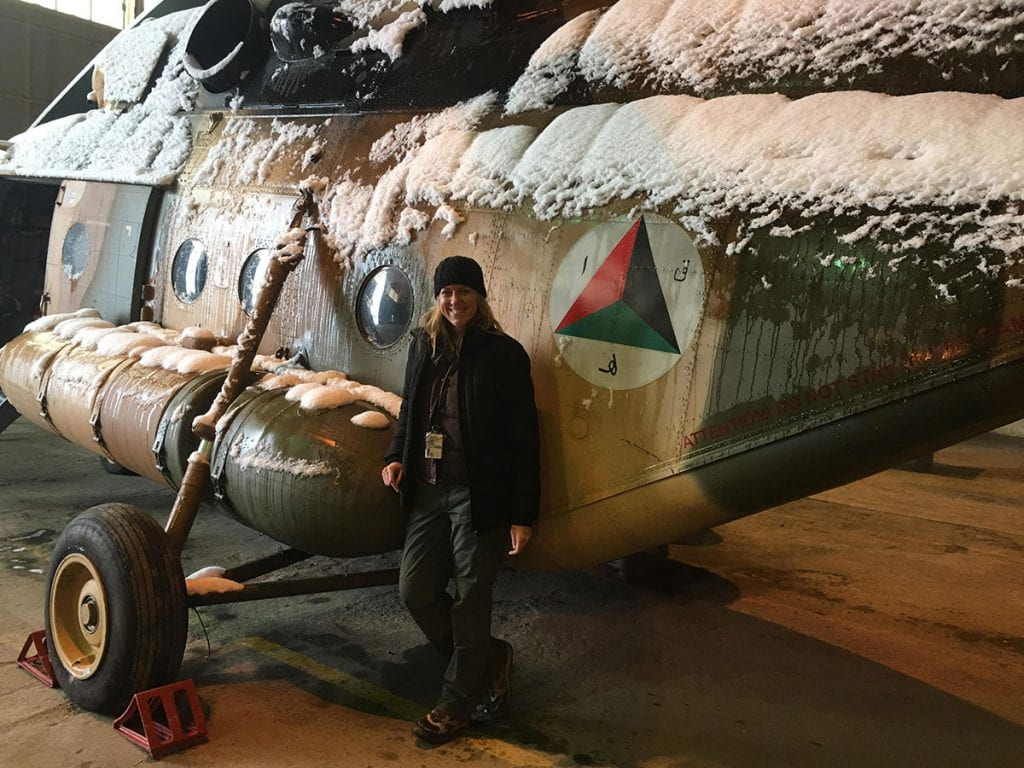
(434, 445)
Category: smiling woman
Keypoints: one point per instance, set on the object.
(464, 458)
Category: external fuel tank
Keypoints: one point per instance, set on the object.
(308, 479)
(305, 478)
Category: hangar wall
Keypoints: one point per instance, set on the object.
(41, 51)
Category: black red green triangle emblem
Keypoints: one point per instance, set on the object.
(623, 302)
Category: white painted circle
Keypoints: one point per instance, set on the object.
(617, 347)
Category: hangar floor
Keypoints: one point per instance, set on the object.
(879, 624)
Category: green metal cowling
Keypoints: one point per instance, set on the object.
(174, 440)
(309, 479)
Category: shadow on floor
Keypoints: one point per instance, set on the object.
(609, 674)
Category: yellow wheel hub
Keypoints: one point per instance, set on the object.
(78, 616)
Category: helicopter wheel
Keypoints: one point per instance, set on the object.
(116, 620)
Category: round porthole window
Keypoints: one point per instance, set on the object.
(384, 306)
(188, 271)
(75, 253)
(253, 273)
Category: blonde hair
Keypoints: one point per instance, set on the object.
(441, 334)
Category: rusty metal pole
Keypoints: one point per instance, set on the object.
(197, 475)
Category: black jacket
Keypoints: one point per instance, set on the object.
(498, 421)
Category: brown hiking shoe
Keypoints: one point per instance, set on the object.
(438, 727)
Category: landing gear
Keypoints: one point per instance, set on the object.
(116, 619)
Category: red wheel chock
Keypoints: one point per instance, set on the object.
(38, 664)
(163, 720)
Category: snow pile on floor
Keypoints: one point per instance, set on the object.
(147, 143)
(697, 46)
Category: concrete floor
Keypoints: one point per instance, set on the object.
(880, 624)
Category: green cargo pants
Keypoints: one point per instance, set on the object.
(440, 544)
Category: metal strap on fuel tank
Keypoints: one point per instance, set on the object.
(44, 383)
(97, 405)
(220, 457)
(158, 448)
(160, 438)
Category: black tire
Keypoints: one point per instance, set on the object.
(144, 616)
(113, 468)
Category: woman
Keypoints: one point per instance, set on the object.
(465, 460)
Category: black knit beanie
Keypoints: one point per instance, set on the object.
(459, 270)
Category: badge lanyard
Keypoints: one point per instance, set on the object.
(434, 439)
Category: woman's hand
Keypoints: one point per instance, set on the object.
(392, 475)
(520, 537)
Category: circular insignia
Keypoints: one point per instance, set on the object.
(626, 301)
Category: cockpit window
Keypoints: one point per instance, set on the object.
(251, 278)
(188, 271)
(384, 306)
(75, 253)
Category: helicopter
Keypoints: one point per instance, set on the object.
(752, 256)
